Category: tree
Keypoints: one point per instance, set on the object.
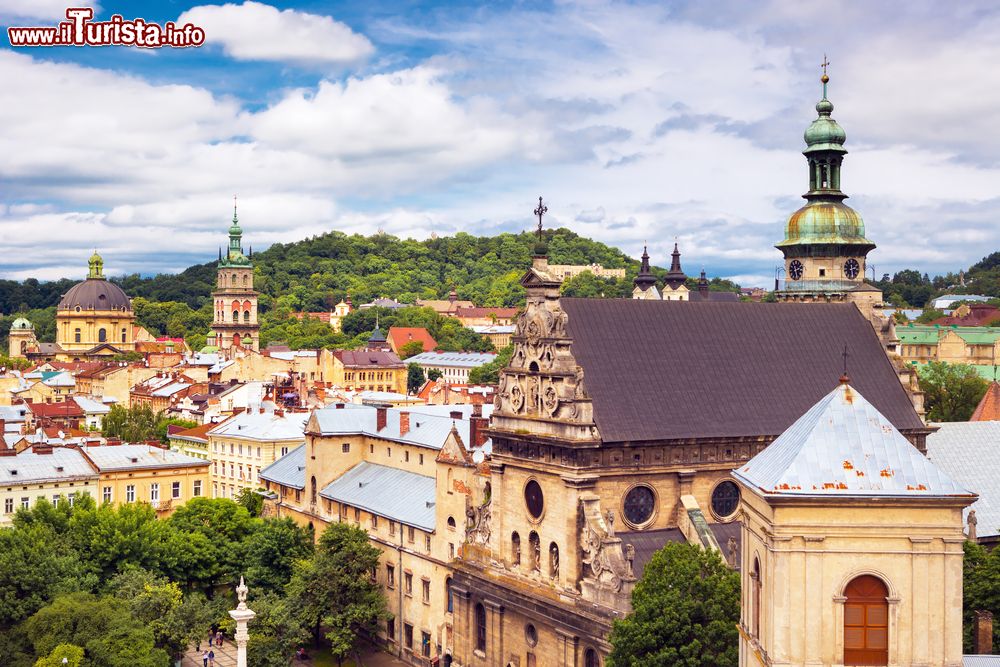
(414, 378)
(135, 424)
(951, 391)
(490, 373)
(270, 553)
(334, 590)
(929, 315)
(64, 655)
(413, 348)
(275, 632)
(981, 589)
(434, 374)
(251, 500)
(684, 612)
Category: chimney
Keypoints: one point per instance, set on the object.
(3, 426)
(982, 634)
(339, 406)
(477, 430)
(404, 423)
(8, 451)
(47, 449)
(477, 409)
(456, 415)
(379, 419)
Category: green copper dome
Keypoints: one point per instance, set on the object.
(21, 323)
(825, 133)
(825, 222)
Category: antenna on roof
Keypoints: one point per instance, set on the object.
(844, 379)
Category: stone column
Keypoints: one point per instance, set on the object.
(242, 616)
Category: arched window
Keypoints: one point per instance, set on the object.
(234, 280)
(246, 316)
(76, 335)
(535, 551)
(246, 277)
(590, 659)
(515, 549)
(236, 339)
(866, 622)
(102, 335)
(124, 335)
(451, 523)
(449, 596)
(755, 588)
(24, 346)
(312, 489)
(553, 561)
(480, 627)
(236, 316)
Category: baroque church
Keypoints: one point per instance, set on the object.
(234, 323)
(607, 445)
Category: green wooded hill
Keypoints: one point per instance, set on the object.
(316, 273)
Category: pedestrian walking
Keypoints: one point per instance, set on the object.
(211, 636)
(218, 638)
(197, 645)
(204, 659)
(211, 659)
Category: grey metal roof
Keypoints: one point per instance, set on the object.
(426, 430)
(13, 413)
(452, 359)
(396, 494)
(267, 426)
(90, 406)
(289, 470)
(981, 660)
(31, 468)
(127, 457)
(968, 452)
(843, 446)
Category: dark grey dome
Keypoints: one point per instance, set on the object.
(95, 294)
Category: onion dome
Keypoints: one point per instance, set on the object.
(825, 222)
(21, 323)
(824, 133)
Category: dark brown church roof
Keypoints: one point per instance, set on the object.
(664, 370)
(95, 294)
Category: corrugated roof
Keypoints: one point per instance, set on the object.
(843, 446)
(126, 457)
(266, 426)
(369, 358)
(29, 467)
(396, 494)
(170, 389)
(659, 370)
(289, 470)
(981, 660)
(90, 406)
(968, 451)
(427, 430)
(452, 359)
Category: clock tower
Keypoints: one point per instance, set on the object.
(235, 322)
(825, 247)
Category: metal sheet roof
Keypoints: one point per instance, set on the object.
(267, 426)
(981, 660)
(426, 430)
(31, 468)
(289, 470)
(968, 452)
(127, 457)
(170, 389)
(452, 359)
(843, 446)
(392, 493)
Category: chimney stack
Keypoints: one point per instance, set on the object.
(456, 415)
(380, 414)
(477, 430)
(404, 423)
(982, 633)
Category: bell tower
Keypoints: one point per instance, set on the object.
(235, 322)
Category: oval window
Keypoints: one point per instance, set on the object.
(639, 504)
(533, 499)
(725, 499)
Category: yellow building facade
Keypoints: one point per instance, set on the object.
(95, 316)
(240, 447)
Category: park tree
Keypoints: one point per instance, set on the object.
(275, 632)
(980, 589)
(334, 590)
(64, 655)
(684, 612)
(951, 391)
(271, 551)
(410, 349)
(252, 501)
(434, 374)
(414, 378)
(490, 373)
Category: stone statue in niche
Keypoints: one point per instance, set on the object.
(554, 561)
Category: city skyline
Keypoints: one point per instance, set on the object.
(638, 123)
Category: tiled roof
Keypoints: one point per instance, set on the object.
(843, 446)
(29, 467)
(196, 434)
(452, 359)
(126, 457)
(695, 295)
(62, 409)
(400, 336)
(392, 493)
(989, 406)
(970, 453)
(267, 426)
(289, 470)
(369, 359)
(659, 370)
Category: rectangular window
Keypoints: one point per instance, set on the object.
(154, 492)
(72, 499)
(8, 505)
(426, 587)
(106, 495)
(232, 448)
(371, 449)
(421, 459)
(427, 543)
(392, 529)
(215, 468)
(357, 515)
(130, 493)
(408, 583)
(451, 550)
(408, 636)
(425, 644)
(175, 490)
(390, 576)
(196, 489)
(258, 452)
(284, 450)
(410, 534)
(25, 502)
(390, 629)
(345, 448)
(406, 456)
(55, 499)
(374, 522)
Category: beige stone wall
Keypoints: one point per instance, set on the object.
(236, 462)
(14, 496)
(90, 322)
(143, 479)
(809, 552)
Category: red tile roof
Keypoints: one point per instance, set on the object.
(400, 336)
(199, 433)
(980, 314)
(61, 410)
(988, 409)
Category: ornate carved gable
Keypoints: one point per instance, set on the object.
(542, 390)
(453, 450)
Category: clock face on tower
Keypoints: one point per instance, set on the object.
(795, 269)
(852, 268)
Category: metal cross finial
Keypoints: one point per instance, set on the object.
(540, 211)
(845, 355)
(824, 64)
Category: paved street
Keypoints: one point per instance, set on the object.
(226, 657)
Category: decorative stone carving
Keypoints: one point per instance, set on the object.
(478, 525)
(607, 575)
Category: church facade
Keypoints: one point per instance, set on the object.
(235, 320)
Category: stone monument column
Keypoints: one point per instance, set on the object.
(242, 616)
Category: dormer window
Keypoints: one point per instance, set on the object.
(13, 473)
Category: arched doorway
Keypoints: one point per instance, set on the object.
(866, 622)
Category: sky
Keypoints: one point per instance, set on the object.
(639, 123)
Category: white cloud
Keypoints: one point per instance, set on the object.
(255, 31)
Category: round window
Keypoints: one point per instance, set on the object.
(533, 499)
(530, 634)
(640, 502)
(725, 499)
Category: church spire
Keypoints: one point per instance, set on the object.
(645, 278)
(675, 276)
(825, 149)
